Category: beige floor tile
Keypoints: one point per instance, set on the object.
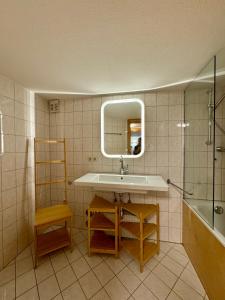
(165, 246)
(25, 282)
(135, 267)
(152, 263)
(116, 290)
(58, 297)
(177, 257)
(142, 293)
(7, 291)
(190, 267)
(83, 247)
(73, 291)
(74, 255)
(24, 265)
(24, 254)
(186, 292)
(165, 275)
(173, 296)
(159, 256)
(65, 277)
(93, 260)
(79, 237)
(7, 274)
(101, 295)
(103, 273)
(115, 264)
(129, 279)
(157, 286)
(30, 295)
(180, 248)
(48, 288)
(90, 284)
(80, 267)
(125, 257)
(43, 271)
(171, 265)
(192, 279)
(59, 261)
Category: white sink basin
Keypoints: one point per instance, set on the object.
(123, 183)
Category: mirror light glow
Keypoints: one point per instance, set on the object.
(142, 127)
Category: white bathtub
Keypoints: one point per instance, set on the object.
(203, 208)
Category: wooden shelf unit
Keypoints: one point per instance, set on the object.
(98, 226)
(46, 242)
(141, 249)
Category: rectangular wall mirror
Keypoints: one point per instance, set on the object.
(122, 128)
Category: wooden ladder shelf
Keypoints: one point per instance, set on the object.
(51, 240)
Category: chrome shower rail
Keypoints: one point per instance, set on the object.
(169, 182)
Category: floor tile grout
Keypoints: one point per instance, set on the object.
(127, 262)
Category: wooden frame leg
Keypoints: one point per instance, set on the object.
(116, 233)
(89, 233)
(35, 248)
(158, 229)
(71, 244)
(141, 245)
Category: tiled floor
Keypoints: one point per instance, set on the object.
(66, 275)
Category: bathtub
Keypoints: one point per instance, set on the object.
(203, 209)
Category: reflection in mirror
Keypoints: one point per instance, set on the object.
(122, 128)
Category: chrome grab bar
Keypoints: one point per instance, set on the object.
(1, 135)
(169, 182)
(220, 149)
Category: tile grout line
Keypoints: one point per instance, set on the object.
(75, 276)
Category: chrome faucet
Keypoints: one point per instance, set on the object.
(123, 170)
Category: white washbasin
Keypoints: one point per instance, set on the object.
(123, 183)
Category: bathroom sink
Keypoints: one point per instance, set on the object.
(122, 183)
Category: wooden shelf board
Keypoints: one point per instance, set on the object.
(102, 243)
(134, 228)
(52, 214)
(52, 240)
(51, 182)
(50, 162)
(133, 247)
(101, 222)
(99, 204)
(138, 209)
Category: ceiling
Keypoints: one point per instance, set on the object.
(107, 46)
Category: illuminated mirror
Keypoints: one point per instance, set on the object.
(122, 128)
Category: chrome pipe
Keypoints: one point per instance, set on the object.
(178, 187)
(210, 118)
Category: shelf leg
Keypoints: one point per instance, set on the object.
(71, 248)
(141, 244)
(116, 233)
(89, 233)
(119, 229)
(35, 247)
(158, 229)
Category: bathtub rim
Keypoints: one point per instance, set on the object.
(215, 232)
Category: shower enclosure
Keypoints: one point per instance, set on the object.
(204, 144)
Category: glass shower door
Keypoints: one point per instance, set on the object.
(199, 143)
(219, 203)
